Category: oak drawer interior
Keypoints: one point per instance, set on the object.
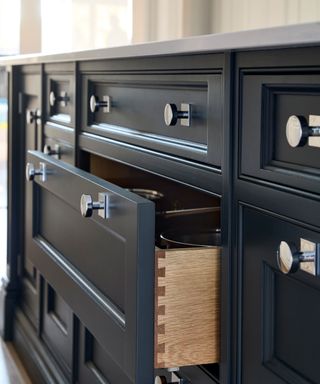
(187, 279)
(187, 306)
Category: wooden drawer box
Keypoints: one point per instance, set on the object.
(187, 307)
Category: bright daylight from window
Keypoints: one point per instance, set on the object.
(9, 44)
(72, 25)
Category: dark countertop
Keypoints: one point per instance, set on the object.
(277, 37)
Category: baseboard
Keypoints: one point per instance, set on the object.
(9, 294)
(38, 362)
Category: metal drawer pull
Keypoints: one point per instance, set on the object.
(176, 380)
(96, 104)
(47, 150)
(87, 205)
(62, 99)
(289, 258)
(33, 115)
(31, 171)
(171, 114)
(298, 131)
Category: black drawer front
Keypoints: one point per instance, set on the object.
(30, 293)
(59, 149)
(268, 100)
(101, 267)
(280, 311)
(57, 328)
(137, 106)
(60, 98)
(94, 364)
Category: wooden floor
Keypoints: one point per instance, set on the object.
(11, 368)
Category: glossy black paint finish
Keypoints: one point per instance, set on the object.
(277, 95)
(279, 312)
(131, 94)
(31, 79)
(268, 191)
(110, 262)
(276, 197)
(59, 80)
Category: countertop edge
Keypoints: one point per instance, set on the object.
(267, 38)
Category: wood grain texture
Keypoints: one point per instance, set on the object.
(187, 306)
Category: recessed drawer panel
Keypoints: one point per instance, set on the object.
(95, 365)
(280, 122)
(187, 307)
(60, 98)
(179, 114)
(102, 266)
(59, 149)
(281, 292)
(30, 293)
(57, 328)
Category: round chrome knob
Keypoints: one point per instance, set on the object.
(47, 150)
(297, 131)
(31, 171)
(87, 205)
(52, 98)
(63, 98)
(33, 115)
(171, 114)
(30, 116)
(160, 380)
(289, 258)
(96, 104)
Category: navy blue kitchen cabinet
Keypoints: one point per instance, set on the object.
(112, 151)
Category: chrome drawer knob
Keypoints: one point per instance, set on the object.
(63, 99)
(33, 115)
(160, 380)
(31, 171)
(163, 380)
(171, 114)
(289, 258)
(87, 205)
(96, 104)
(47, 150)
(298, 131)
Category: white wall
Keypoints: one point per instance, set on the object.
(87, 24)
(172, 19)
(235, 15)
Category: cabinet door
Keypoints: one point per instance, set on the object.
(31, 107)
(281, 312)
(102, 267)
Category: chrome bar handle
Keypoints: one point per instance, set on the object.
(87, 205)
(298, 131)
(95, 104)
(289, 257)
(171, 114)
(63, 98)
(47, 150)
(31, 171)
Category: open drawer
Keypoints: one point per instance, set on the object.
(103, 266)
(187, 306)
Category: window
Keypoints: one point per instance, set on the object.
(72, 25)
